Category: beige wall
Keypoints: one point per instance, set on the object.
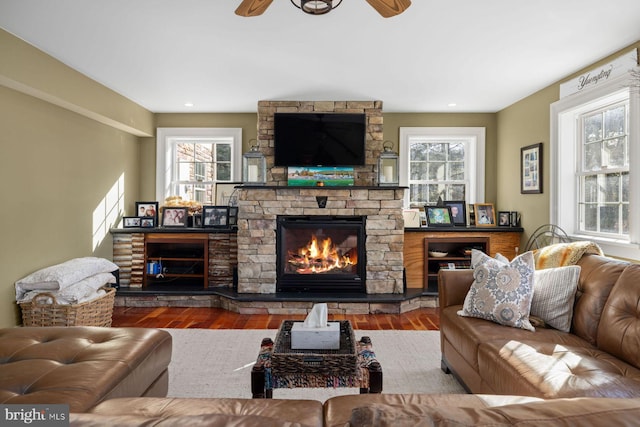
(524, 123)
(56, 169)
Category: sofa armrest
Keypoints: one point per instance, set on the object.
(453, 286)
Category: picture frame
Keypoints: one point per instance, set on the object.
(224, 192)
(215, 216)
(147, 222)
(439, 216)
(131, 221)
(458, 212)
(147, 209)
(504, 219)
(233, 216)
(175, 217)
(531, 169)
(485, 215)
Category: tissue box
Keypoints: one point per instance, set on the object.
(326, 338)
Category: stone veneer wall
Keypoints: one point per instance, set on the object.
(258, 209)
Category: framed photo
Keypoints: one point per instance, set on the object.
(131, 221)
(458, 211)
(504, 218)
(215, 216)
(439, 216)
(147, 222)
(149, 209)
(224, 191)
(485, 215)
(175, 217)
(233, 216)
(531, 169)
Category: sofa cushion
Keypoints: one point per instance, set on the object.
(501, 292)
(578, 411)
(204, 420)
(554, 292)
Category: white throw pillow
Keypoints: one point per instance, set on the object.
(554, 292)
(501, 291)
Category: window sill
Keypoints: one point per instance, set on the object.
(613, 247)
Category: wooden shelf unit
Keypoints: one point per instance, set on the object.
(184, 259)
(455, 248)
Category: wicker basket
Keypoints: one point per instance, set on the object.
(284, 360)
(44, 310)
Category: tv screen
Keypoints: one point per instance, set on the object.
(319, 139)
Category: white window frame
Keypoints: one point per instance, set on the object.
(165, 139)
(474, 161)
(564, 161)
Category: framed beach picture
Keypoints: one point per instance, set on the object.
(439, 216)
(485, 215)
(531, 169)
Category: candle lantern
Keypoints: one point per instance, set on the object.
(254, 167)
(388, 174)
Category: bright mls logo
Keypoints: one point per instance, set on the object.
(34, 415)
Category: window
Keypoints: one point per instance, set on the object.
(594, 152)
(445, 163)
(190, 161)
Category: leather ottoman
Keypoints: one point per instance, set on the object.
(81, 366)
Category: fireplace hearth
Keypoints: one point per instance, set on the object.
(320, 254)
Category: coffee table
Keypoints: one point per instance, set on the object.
(365, 374)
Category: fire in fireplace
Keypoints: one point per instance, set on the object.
(320, 254)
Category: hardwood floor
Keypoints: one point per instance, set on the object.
(217, 318)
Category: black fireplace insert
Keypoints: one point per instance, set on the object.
(321, 254)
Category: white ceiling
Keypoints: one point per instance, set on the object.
(482, 55)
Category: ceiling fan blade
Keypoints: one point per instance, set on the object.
(389, 8)
(252, 7)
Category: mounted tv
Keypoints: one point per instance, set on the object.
(319, 139)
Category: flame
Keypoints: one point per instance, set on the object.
(320, 257)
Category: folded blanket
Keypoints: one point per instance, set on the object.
(563, 254)
(84, 290)
(63, 275)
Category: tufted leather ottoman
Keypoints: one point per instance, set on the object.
(82, 366)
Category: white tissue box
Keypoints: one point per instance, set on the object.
(325, 338)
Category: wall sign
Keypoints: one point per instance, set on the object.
(591, 79)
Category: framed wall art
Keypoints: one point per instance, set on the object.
(224, 192)
(215, 216)
(439, 216)
(531, 169)
(458, 211)
(485, 215)
(175, 217)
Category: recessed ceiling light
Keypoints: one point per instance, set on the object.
(188, 104)
(451, 104)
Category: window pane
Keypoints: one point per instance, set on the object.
(418, 151)
(418, 193)
(590, 188)
(593, 127)
(456, 152)
(615, 151)
(224, 172)
(456, 192)
(184, 171)
(611, 187)
(418, 170)
(625, 219)
(223, 152)
(614, 122)
(438, 152)
(204, 152)
(592, 156)
(184, 152)
(625, 187)
(591, 218)
(609, 219)
(456, 171)
(436, 170)
(436, 191)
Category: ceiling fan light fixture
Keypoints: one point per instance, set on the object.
(315, 7)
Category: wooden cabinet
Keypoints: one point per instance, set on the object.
(182, 259)
(448, 253)
(505, 240)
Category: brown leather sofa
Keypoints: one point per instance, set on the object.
(82, 366)
(599, 357)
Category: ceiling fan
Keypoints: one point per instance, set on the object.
(386, 8)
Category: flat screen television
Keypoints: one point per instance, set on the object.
(319, 139)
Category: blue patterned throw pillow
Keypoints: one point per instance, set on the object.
(501, 291)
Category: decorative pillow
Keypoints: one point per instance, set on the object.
(501, 292)
(554, 291)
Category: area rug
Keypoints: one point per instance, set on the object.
(218, 362)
